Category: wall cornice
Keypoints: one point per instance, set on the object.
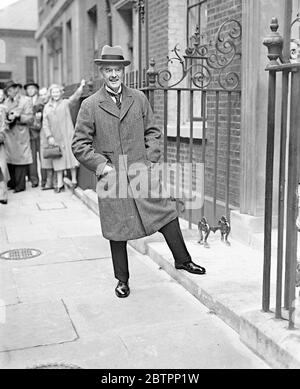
(5, 32)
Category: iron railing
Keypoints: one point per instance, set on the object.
(289, 74)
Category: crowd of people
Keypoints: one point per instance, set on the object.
(36, 131)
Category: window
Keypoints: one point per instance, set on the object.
(31, 69)
(2, 51)
(196, 18)
(94, 27)
(69, 52)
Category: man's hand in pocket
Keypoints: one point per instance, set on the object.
(107, 170)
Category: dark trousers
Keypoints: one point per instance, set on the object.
(33, 168)
(17, 177)
(173, 236)
(33, 174)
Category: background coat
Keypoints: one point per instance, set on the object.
(17, 140)
(4, 173)
(57, 122)
(104, 134)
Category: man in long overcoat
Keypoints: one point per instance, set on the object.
(115, 137)
(32, 91)
(17, 142)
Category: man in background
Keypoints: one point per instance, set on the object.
(32, 91)
(17, 141)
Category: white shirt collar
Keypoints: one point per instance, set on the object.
(112, 91)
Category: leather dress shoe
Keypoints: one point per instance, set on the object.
(34, 185)
(4, 202)
(191, 267)
(48, 188)
(122, 290)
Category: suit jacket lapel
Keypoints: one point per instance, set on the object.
(127, 101)
(106, 103)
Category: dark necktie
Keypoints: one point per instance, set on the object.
(117, 96)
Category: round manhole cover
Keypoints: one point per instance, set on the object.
(20, 254)
(56, 366)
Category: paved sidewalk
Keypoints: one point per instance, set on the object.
(60, 307)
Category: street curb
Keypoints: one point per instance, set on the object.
(265, 336)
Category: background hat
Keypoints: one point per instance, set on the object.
(11, 84)
(112, 55)
(31, 83)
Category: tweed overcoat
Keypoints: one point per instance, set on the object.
(17, 140)
(122, 139)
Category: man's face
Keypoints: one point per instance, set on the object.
(56, 94)
(44, 95)
(31, 91)
(113, 76)
(12, 91)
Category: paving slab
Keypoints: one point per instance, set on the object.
(75, 228)
(92, 246)
(33, 325)
(81, 278)
(50, 206)
(55, 251)
(148, 349)
(51, 282)
(97, 353)
(3, 237)
(161, 303)
(8, 288)
(14, 219)
(29, 233)
(63, 214)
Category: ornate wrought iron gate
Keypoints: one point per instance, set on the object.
(196, 99)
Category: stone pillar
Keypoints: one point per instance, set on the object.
(45, 60)
(64, 51)
(257, 16)
(77, 39)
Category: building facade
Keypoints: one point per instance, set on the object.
(18, 48)
(69, 35)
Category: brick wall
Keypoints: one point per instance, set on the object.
(218, 12)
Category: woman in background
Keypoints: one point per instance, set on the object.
(4, 174)
(58, 129)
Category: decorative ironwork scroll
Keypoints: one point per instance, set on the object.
(207, 65)
(295, 43)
